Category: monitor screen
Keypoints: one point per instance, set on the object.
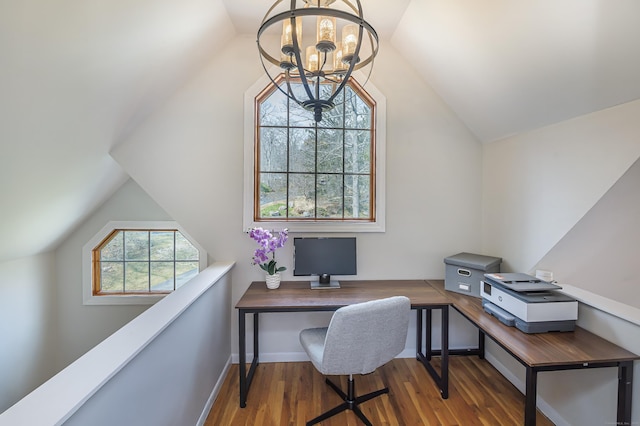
(324, 257)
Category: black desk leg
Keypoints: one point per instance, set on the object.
(242, 355)
(530, 395)
(480, 344)
(441, 379)
(625, 386)
(246, 378)
(418, 333)
(428, 335)
(444, 369)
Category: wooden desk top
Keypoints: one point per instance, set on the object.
(540, 349)
(298, 296)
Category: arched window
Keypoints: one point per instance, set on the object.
(307, 173)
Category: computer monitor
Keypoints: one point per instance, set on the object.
(324, 257)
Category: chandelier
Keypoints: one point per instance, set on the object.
(325, 64)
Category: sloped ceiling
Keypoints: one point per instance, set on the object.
(77, 76)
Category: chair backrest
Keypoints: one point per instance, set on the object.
(364, 336)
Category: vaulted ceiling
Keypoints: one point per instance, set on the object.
(77, 76)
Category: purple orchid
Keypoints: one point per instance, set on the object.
(268, 244)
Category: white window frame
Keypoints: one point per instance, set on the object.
(127, 299)
(306, 226)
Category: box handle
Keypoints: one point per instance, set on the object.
(464, 272)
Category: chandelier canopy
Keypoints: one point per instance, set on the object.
(321, 63)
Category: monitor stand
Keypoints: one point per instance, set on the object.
(323, 282)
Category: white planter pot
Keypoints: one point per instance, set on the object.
(273, 281)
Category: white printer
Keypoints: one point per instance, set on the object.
(528, 303)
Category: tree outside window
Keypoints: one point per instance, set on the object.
(308, 171)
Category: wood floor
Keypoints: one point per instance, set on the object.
(291, 393)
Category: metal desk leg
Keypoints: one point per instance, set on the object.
(246, 378)
(625, 386)
(441, 379)
(444, 369)
(480, 344)
(428, 335)
(242, 355)
(418, 333)
(530, 397)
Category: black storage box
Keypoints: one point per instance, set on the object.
(465, 271)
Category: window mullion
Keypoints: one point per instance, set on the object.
(175, 278)
(124, 262)
(344, 150)
(315, 173)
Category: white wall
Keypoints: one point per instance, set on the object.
(27, 325)
(537, 186)
(81, 327)
(433, 186)
(600, 253)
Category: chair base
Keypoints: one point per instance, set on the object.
(350, 402)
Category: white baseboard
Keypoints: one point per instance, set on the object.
(214, 394)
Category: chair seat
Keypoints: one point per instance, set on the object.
(312, 340)
(359, 339)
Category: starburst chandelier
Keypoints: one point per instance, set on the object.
(321, 63)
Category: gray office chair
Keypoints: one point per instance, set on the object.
(359, 339)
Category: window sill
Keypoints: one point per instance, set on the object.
(293, 226)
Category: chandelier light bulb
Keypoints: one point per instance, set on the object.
(286, 44)
(326, 34)
(313, 59)
(338, 64)
(349, 42)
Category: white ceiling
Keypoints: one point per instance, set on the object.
(77, 76)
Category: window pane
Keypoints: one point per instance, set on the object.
(333, 117)
(111, 277)
(162, 276)
(273, 110)
(357, 151)
(273, 143)
(299, 116)
(184, 249)
(302, 195)
(330, 154)
(114, 248)
(185, 271)
(357, 112)
(136, 276)
(357, 199)
(161, 245)
(330, 196)
(302, 153)
(136, 245)
(273, 194)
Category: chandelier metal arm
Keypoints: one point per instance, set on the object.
(316, 74)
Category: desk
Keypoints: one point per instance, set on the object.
(296, 296)
(549, 352)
